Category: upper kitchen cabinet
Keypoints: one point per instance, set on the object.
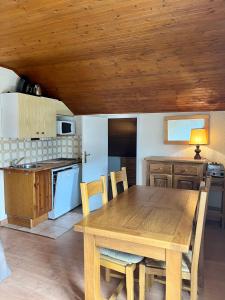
(26, 116)
(36, 117)
(62, 109)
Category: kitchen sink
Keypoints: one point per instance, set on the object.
(27, 166)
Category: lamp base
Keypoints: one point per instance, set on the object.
(197, 151)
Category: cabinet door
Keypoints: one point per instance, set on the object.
(161, 180)
(29, 117)
(48, 118)
(186, 182)
(43, 193)
(37, 117)
(19, 193)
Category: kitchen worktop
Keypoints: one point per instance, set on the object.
(46, 165)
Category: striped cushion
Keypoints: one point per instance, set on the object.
(186, 262)
(122, 256)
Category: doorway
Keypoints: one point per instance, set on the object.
(122, 148)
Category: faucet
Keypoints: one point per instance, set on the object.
(15, 162)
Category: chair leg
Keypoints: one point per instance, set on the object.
(194, 288)
(130, 282)
(149, 280)
(141, 282)
(107, 275)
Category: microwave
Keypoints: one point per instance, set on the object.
(65, 127)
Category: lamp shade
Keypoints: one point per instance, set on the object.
(198, 137)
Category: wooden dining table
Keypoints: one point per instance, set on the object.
(148, 221)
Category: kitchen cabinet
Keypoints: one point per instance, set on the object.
(62, 109)
(176, 172)
(28, 196)
(37, 117)
(25, 116)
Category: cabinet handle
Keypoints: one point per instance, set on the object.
(37, 132)
(157, 169)
(42, 132)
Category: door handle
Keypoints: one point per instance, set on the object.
(85, 155)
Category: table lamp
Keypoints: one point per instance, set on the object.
(198, 137)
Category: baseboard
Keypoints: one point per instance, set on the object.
(25, 222)
(3, 222)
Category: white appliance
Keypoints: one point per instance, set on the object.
(65, 190)
(65, 127)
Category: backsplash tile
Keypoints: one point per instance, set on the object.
(65, 146)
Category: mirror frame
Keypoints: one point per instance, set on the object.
(185, 117)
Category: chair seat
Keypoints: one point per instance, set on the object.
(125, 258)
(186, 262)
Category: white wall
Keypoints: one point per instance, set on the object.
(150, 140)
(8, 80)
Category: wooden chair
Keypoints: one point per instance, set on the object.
(116, 177)
(190, 262)
(118, 261)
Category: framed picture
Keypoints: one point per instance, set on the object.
(177, 129)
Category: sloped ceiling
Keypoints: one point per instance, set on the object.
(119, 56)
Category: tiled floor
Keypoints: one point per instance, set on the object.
(50, 269)
(53, 228)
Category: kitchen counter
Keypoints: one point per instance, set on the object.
(46, 165)
(29, 193)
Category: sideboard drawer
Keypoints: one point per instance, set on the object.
(161, 168)
(185, 169)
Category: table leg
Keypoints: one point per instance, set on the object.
(91, 268)
(201, 265)
(173, 275)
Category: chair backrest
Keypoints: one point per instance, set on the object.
(201, 217)
(91, 189)
(116, 177)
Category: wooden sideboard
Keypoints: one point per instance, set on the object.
(176, 172)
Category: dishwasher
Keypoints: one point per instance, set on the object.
(65, 190)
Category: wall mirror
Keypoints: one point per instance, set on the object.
(177, 129)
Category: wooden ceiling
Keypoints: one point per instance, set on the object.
(119, 56)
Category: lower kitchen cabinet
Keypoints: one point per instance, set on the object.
(27, 197)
